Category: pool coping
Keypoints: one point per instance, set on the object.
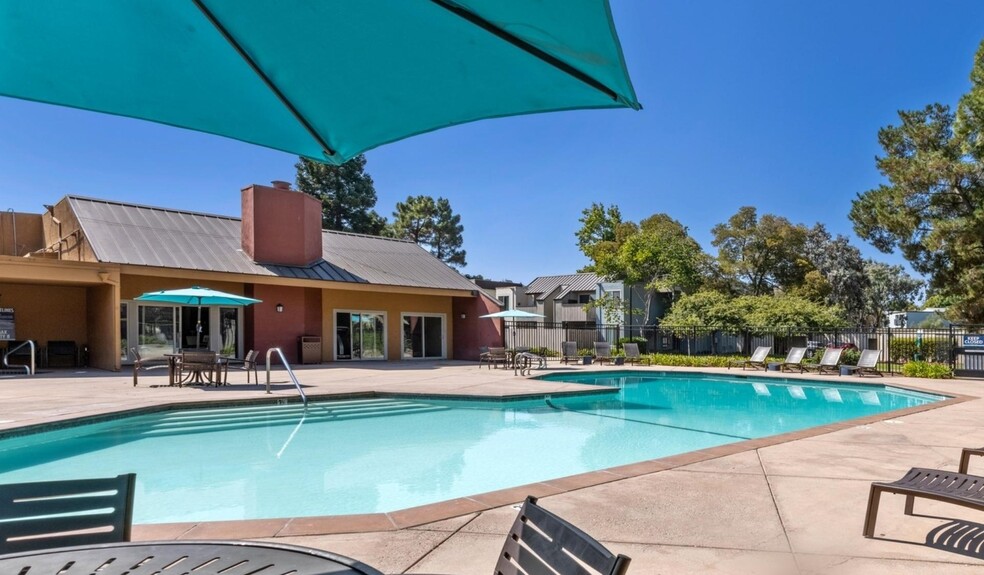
(449, 509)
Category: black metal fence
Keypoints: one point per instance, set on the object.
(955, 346)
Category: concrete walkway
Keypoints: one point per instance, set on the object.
(792, 505)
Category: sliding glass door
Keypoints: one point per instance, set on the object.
(423, 336)
(360, 335)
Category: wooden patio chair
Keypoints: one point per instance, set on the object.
(48, 514)
(246, 364)
(757, 360)
(541, 542)
(568, 352)
(794, 360)
(140, 363)
(496, 356)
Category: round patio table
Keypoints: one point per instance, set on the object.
(198, 557)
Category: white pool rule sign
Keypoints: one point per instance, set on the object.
(7, 324)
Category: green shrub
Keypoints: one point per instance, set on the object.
(904, 349)
(680, 360)
(850, 357)
(585, 352)
(636, 339)
(545, 351)
(926, 369)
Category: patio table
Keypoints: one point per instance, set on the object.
(198, 557)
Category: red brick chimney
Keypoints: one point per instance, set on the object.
(280, 225)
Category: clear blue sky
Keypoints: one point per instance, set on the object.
(768, 103)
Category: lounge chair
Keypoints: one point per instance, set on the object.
(829, 361)
(867, 363)
(48, 514)
(936, 484)
(757, 360)
(794, 359)
(632, 355)
(603, 352)
(568, 352)
(541, 542)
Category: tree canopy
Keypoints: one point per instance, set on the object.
(346, 193)
(762, 253)
(711, 308)
(432, 224)
(657, 252)
(932, 207)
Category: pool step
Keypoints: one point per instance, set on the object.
(219, 419)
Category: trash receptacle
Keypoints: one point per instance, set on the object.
(309, 349)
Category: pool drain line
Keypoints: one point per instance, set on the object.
(550, 404)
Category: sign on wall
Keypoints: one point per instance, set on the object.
(7, 324)
(973, 340)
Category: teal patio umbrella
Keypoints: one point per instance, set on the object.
(197, 296)
(324, 79)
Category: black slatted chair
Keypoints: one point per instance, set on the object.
(541, 542)
(48, 514)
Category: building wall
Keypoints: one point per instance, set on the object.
(472, 331)
(25, 228)
(392, 304)
(132, 286)
(47, 312)
(102, 326)
(265, 328)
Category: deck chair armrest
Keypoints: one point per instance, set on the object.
(966, 454)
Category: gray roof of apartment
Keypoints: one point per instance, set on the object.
(581, 282)
(160, 237)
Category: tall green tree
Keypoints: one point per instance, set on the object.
(346, 193)
(890, 288)
(840, 266)
(657, 252)
(930, 209)
(761, 253)
(432, 224)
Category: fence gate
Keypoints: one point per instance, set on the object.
(968, 351)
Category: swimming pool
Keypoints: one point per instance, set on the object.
(384, 454)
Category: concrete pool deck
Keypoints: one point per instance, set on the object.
(792, 504)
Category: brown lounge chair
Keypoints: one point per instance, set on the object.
(868, 363)
(829, 361)
(603, 352)
(794, 359)
(757, 360)
(48, 514)
(936, 484)
(541, 542)
(632, 355)
(568, 352)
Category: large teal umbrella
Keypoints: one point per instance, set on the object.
(325, 79)
(197, 296)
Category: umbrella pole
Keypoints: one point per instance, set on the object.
(198, 326)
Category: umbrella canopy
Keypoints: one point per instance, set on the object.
(513, 313)
(197, 296)
(321, 79)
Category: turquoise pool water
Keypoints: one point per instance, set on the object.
(377, 455)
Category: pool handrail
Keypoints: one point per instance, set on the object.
(290, 372)
(30, 369)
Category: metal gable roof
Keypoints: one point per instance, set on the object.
(160, 237)
(571, 283)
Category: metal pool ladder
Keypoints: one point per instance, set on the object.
(290, 372)
(28, 368)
